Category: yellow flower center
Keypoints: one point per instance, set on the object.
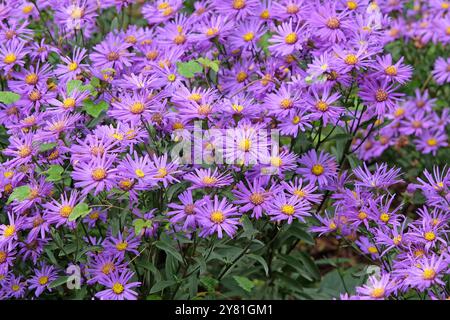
(107, 268)
(296, 120)
(286, 103)
(291, 38)
(362, 215)
(9, 231)
(113, 56)
(43, 280)
(300, 193)
(171, 77)
(118, 288)
(372, 249)
(34, 95)
(65, 211)
(31, 78)
(204, 109)
(140, 173)
(391, 71)
(276, 161)
(126, 184)
(245, 145)
(24, 151)
(333, 23)
(179, 39)
(429, 236)
(212, 31)
(72, 66)
(195, 97)
(98, 174)
(445, 5)
(238, 4)
(2, 256)
(317, 169)
(209, 180)
(241, 76)
(352, 5)
(15, 287)
(384, 217)
(77, 13)
(94, 215)
(121, 246)
(137, 108)
(322, 106)
(399, 112)
(162, 172)
(217, 217)
(428, 274)
(249, 36)
(288, 209)
(27, 9)
(397, 240)
(69, 103)
(377, 293)
(432, 142)
(10, 58)
(292, 8)
(351, 59)
(8, 174)
(265, 14)
(381, 95)
(332, 225)
(131, 39)
(256, 198)
(237, 108)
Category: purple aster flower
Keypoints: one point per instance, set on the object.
(397, 72)
(318, 167)
(283, 207)
(381, 178)
(376, 288)
(303, 191)
(15, 287)
(329, 25)
(321, 105)
(287, 39)
(427, 272)
(11, 54)
(205, 178)
(111, 53)
(380, 95)
(41, 279)
(329, 224)
(71, 67)
(186, 212)
(121, 244)
(441, 72)
(118, 286)
(97, 175)
(431, 140)
(217, 216)
(252, 197)
(58, 212)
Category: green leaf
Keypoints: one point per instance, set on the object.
(95, 82)
(213, 65)
(169, 249)
(80, 210)
(153, 297)
(263, 43)
(160, 285)
(244, 282)
(58, 282)
(140, 224)
(93, 109)
(72, 85)
(47, 146)
(209, 283)
(19, 193)
(8, 97)
(261, 261)
(115, 24)
(54, 173)
(189, 69)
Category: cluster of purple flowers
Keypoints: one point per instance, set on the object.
(306, 68)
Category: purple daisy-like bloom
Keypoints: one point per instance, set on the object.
(427, 272)
(101, 266)
(397, 72)
(303, 191)
(247, 35)
(283, 101)
(382, 178)
(42, 278)
(380, 95)
(58, 212)
(97, 175)
(11, 54)
(71, 67)
(252, 197)
(318, 167)
(441, 72)
(15, 287)
(186, 212)
(284, 207)
(240, 9)
(321, 105)
(217, 216)
(330, 25)
(287, 39)
(121, 244)
(205, 178)
(376, 288)
(329, 224)
(431, 141)
(111, 53)
(119, 287)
